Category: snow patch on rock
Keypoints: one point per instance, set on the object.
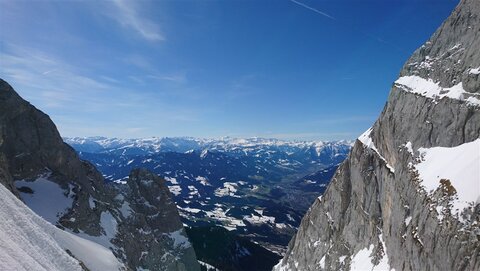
(460, 165)
(175, 189)
(428, 88)
(368, 142)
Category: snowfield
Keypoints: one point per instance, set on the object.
(460, 165)
(362, 260)
(51, 207)
(28, 242)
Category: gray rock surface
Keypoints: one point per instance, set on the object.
(376, 200)
(137, 219)
(148, 205)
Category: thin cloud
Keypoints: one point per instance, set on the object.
(45, 79)
(178, 78)
(82, 105)
(313, 9)
(128, 16)
(151, 72)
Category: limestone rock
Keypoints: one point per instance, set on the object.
(377, 213)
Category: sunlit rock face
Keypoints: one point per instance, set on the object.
(407, 197)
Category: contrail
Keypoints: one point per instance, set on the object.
(313, 9)
(351, 28)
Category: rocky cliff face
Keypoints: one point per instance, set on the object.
(408, 195)
(136, 218)
(151, 234)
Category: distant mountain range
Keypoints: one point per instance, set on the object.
(240, 146)
(256, 187)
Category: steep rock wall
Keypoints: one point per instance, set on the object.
(377, 213)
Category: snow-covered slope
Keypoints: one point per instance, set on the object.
(28, 242)
(50, 207)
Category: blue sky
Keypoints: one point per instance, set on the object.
(298, 69)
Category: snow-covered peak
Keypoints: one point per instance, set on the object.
(189, 144)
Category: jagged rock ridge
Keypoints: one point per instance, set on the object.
(136, 219)
(400, 201)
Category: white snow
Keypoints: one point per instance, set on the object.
(91, 202)
(363, 261)
(322, 262)
(474, 71)
(254, 219)
(179, 239)
(409, 148)
(281, 267)
(228, 189)
(126, 210)
(28, 242)
(48, 199)
(383, 264)
(248, 146)
(175, 189)
(229, 223)
(189, 210)
(407, 220)
(171, 180)
(368, 142)
(209, 267)
(428, 88)
(204, 153)
(281, 225)
(94, 256)
(460, 165)
(193, 190)
(109, 224)
(202, 180)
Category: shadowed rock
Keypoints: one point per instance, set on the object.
(150, 237)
